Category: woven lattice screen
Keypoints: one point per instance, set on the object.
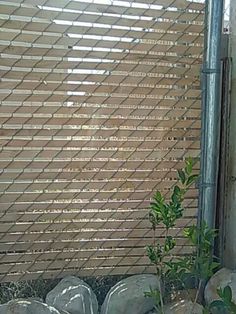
(100, 104)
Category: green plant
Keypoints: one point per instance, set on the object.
(224, 305)
(172, 271)
(166, 213)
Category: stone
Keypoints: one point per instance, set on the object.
(128, 295)
(21, 306)
(224, 277)
(183, 307)
(35, 299)
(74, 296)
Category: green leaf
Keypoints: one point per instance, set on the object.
(159, 197)
(214, 266)
(176, 196)
(190, 162)
(193, 178)
(155, 295)
(153, 254)
(192, 233)
(220, 293)
(181, 176)
(189, 165)
(177, 190)
(227, 292)
(169, 244)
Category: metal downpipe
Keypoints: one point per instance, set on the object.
(210, 112)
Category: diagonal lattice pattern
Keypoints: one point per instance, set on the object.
(100, 104)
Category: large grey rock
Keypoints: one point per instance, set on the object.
(127, 296)
(74, 296)
(224, 277)
(27, 307)
(183, 307)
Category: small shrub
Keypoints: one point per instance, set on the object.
(175, 273)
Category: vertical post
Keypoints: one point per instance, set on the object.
(224, 147)
(229, 256)
(211, 111)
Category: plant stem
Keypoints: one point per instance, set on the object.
(198, 291)
(162, 283)
(161, 296)
(159, 271)
(197, 294)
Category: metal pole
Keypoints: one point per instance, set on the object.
(211, 111)
(229, 254)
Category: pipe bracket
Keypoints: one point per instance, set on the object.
(207, 185)
(211, 71)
